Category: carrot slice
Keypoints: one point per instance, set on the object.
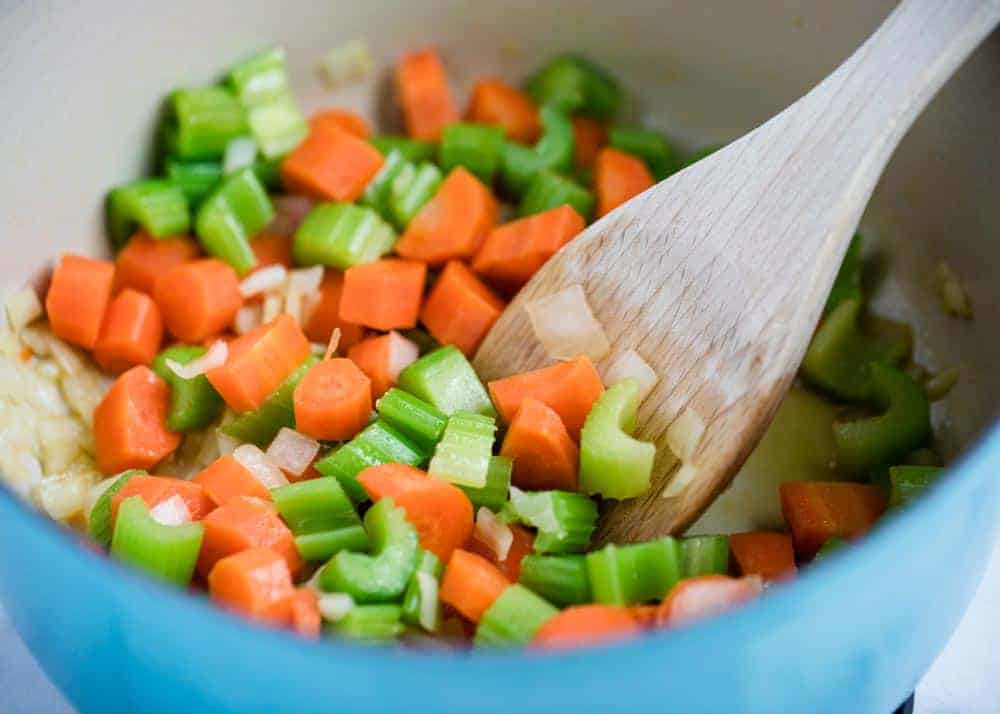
(584, 625)
(77, 298)
(333, 400)
(131, 332)
(351, 122)
(513, 252)
(255, 583)
(544, 455)
(570, 388)
(769, 555)
(510, 566)
(226, 478)
(453, 224)
(698, 598)
(382, 358)
(130, 423)
(428, 106)
(617, 178)
(496, 102)
(331, 163)
(154, 490)
(471, 584)
(324, 317)
(144, 259)
(384, 295)
(817, 511)
(272, 249)
(589, 136)
(241, 524)
(440, 511)
(305, 615)
(258, 362)
(198, 299)
(460, 310)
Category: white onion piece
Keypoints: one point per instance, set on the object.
(294, 305)
(227, 444)
(317, 349)
(347, 63)
(684, 434)
(333, 606)
(240, 153)
(247, 319)
(255, 461)
(681, 479)
(565, 325)
(631, 365)
(172, 512)
(23, 308)
(493, 533)
(292, 452)
(289, 212)
(306, 280)
(333, 344)
(265, 280)
(428, 587)
(402, 353)
(271, 308)
(215, 357)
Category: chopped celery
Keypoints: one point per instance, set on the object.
(550, 190)
(370, 622)
(560, 579)
(412, 149)
(477, 147)
(195, 178)
(194, 403)
(613, 464)
(513, 618)
(847, 285)
(576, 86)
(99, 523)
(410, 190)
(705, 555)
(237, 210)
(383, 575)
(414, 417)
(565, 521)
(416, 603)
(634, 574)
(445, 379)
(324, 544)
(497, 489)
(200, 122)
(909, 482)
(379, 189)
(519, 165)
(319, 512)
(278, 126)
(166, 552)
(342, 235)
(159, 206)
(260, 426)
(268, 172)
(261, 78)
(553, 152)
(463, 454)
(650, 146)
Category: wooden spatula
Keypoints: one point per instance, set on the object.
(717, 275)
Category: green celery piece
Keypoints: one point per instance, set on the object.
(650, 146)
(513, 619)
(236, 211)
(268, 172)
(413, 150)
(550, 190)
(195, 178)
(166, 552)
(613, 464)
(907, 483)
(702, 153)
(411, 190)
(634, 574)
(419, 420)
(342, 235)
(497, 489)
(99, 523)
(378, 190)
(463, 454)
(428, 563)
(321, 517)
(445, 379)
(565, 521)
(201, 121)
(159, 206)
(832, 545)
(519, 165)
(847, 285)
(577, 86)
(554, 151)
(194, 403)
(560, 579)
(375, 623)
(705, 555)
(325, 544)
(382, 576)
(903, 425)
(477, 147)
(260, 79)
(278, 126)
(260, 426)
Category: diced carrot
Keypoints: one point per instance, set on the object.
(514, 251)
(154, 490)
(617, 178)
(131, 332)
(333, 400)
(544, 455)
(306, 620)
(428, 106)
(701, 597)
(817, 511)
(471, 584)
(583, 625)
(272, 249)
(510, 566)
(589, 136)
(226, 478)
(349, 121)
(453, 224)
(384, 295)
(241, 524)
(496, 102)
(644, 615)
(460, 310)
(130, 423)
(258, 362)
(769, 555)
(144, 259)
(324, 316)
(78, 297)
(382, 358)
(254, 583)
(440, 511)
(331, 163)
(198, 299)
(570, 388)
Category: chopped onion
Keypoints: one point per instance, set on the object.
(681, 479)
(428, 587)
(294, 305)
(271, 308)
(306, 280)
(289, 212)
(23, 308)
(345, 64)
(317, 349)
(39, 341)
(684, 434)
(333, 606)
(938, 386)
(215, 357)
(292, 452)
(493, 533)
(62, 497)
(240, 153)
(631, 365)
(565, 325)
(171, 512)
(402, 353)
(265, 280)
(247, 319)
(956, 300)
(333, 344)
(255, 461)
(227, 444)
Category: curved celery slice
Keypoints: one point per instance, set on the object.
(705, 555)
(413, 187)
(321, 517)
(560, 579)
(194, 403)
(383, 575)
(261, 425)
(379, 189)
(551, 190)
(613, 464)
(565, 521)
(634, 574)
(650, 146)
(323, 545)
(195, 178)
(166, 552)
(416, 596)
(159, 206)
(513, 618)
(576, 86)
(463, 454)
(260, 79)
(234, 212)
(99, 525)
(497, 489)
(342, 235)
(477, 147)
(445, 379)
(906, 483)
(419, 420)
(202, 121)
(375, 623)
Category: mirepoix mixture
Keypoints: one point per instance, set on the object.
(266, 393)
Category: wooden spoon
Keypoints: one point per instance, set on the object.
(717, 275)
